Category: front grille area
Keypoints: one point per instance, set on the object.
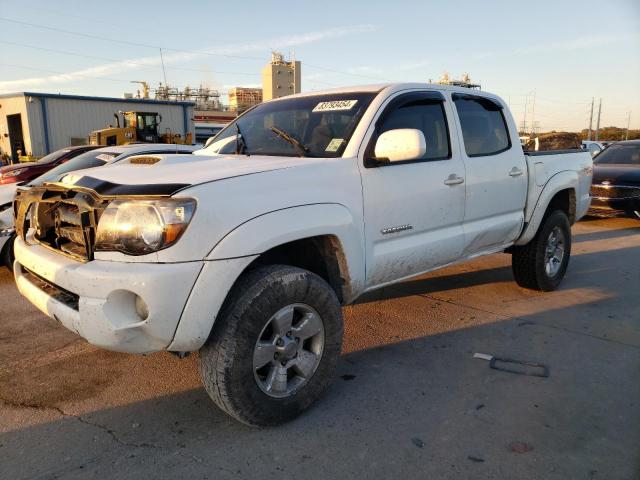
(69, 299)
(614, 191)
(60, 218)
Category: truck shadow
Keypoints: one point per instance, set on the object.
(607, 234)
(585, 270)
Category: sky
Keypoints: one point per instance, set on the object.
(548, 59)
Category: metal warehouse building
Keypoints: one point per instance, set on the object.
(39, 123)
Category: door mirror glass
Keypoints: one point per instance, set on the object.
(401, 144)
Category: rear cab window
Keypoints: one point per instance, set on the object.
(484, 128)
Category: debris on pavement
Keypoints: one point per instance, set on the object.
(518, 367)
(483, 356)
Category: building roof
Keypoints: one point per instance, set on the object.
(95, 99)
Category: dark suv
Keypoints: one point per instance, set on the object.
(616, 180)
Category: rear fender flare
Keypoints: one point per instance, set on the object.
(564, 180)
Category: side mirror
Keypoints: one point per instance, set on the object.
(400, 144)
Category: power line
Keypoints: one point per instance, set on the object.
(156, 47)
(344, 73)
(96, 57)
(119, 80)
(123, 42)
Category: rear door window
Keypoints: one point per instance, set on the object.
(484, 128)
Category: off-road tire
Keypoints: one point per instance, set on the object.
(528, 261)
(6, 255)
(226, 360)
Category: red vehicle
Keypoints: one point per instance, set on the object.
(25, 172)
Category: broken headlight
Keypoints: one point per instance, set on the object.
(138, 227)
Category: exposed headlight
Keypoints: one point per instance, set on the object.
(138, 227)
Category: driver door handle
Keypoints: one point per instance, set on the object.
(515, 172)
(453, 179)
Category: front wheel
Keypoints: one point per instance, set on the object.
(542, 263)
(274, 347)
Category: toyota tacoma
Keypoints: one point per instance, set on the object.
(311, 200)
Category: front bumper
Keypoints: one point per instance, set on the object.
(610, 206)
(97, 299)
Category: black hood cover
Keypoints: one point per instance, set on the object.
(104, 188)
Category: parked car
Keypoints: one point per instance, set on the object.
(594, 147)
(248, 256)
(24, 172)
(96, 157)
(616, 180)
(6, 225)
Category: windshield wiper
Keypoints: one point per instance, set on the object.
(240, 145)
(302, 150)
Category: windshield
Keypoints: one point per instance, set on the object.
(52, 157)
(314, 126)
(620, 154)
(94, 158)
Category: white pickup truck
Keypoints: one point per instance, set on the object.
(312, 200)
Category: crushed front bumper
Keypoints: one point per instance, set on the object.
(125, 307)
(101, 300)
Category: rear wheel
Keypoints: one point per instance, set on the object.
(542, 263)
(274, 347)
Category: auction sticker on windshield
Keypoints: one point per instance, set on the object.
(334, 145)
(334, 105)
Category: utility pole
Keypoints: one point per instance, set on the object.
(598, 122)
(524, 119)
(626, 137)
(533, 115)
(591, 118)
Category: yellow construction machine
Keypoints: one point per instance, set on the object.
(137, 127)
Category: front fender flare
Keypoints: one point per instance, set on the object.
(275, 228)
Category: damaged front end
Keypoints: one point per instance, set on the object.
(78, 220)
(59, 217)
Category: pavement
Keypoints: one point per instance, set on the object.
(409, 400)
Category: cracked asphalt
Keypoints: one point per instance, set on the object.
(409, 399)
